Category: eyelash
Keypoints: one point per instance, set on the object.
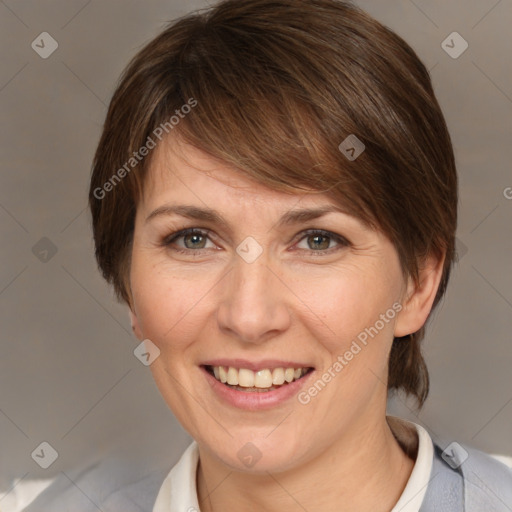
(170, 239)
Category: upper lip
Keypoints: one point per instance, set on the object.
(256, 365)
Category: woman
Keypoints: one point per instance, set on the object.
(274, 196)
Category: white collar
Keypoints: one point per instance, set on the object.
(178, 492)
(416, 488)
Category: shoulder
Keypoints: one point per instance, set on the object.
(485, 483)
(487, 480)
(159, 489)
(139, 496)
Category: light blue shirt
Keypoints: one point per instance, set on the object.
(451, 478)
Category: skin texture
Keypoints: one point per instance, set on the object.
(292, 303)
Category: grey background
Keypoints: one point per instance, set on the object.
(68, 375)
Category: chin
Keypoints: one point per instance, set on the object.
(259, 455)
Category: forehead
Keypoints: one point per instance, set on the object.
(181, 171)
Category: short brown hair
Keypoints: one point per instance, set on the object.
(277, 86)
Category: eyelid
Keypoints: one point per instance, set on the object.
(339, 239)
(184, 232)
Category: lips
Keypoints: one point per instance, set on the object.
(253, 398)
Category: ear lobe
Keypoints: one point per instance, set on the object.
(419, 298)
(135, 325)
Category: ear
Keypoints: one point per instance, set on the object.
(418, 298)
(135, 325)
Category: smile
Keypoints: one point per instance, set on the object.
(263, 380)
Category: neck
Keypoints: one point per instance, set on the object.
(364, 471)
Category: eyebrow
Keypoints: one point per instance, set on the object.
(209, 215)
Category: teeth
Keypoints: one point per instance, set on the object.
(232, 376)
(246, 378)
(264, 378)
(289, 374)
(278, 376)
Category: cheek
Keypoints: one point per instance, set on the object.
(168, 304)
(348, 304)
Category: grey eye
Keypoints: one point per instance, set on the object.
(194, 241)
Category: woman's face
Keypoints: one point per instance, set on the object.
(259, 286)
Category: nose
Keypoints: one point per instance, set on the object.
(253, 305)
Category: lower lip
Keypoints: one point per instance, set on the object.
(255, 401)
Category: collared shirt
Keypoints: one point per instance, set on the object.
(178, 492)
(454, 478)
